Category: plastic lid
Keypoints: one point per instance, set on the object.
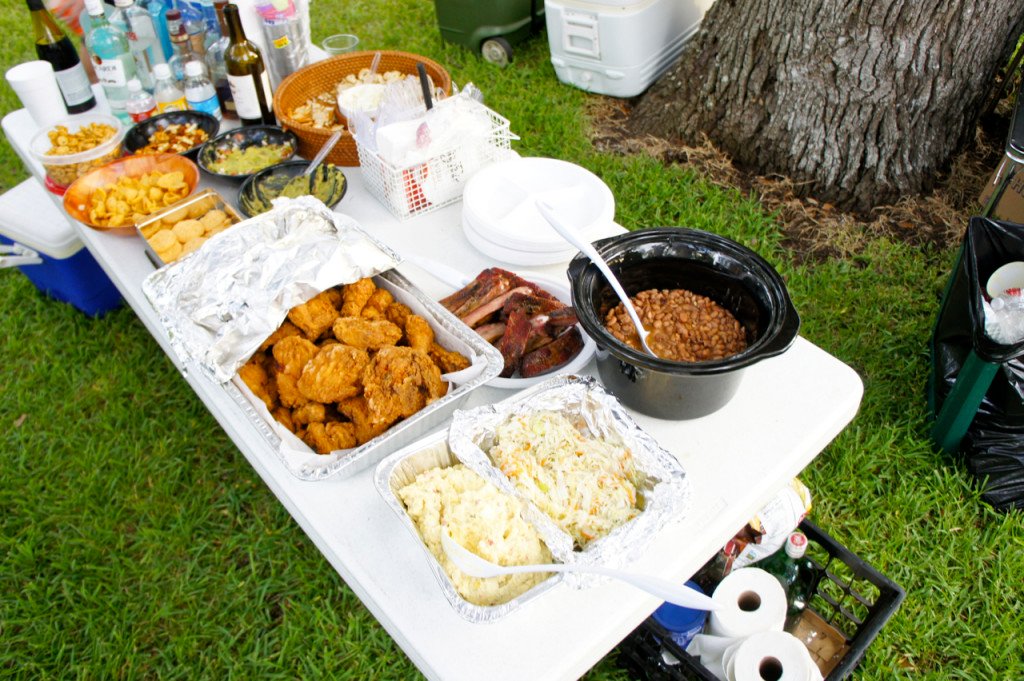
(162, 70)
(32, 219)
(679, 619)
(134, 85)
(796, 545)
(193, 68)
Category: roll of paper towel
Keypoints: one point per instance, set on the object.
(773, 655)
(750, 601)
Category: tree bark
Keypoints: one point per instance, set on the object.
(860, 103)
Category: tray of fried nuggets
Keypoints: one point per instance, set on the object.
(184, 226)
(360, 370)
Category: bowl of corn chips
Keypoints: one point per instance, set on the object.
(126, 191)
(70, 148)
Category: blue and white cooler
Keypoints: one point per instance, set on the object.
(37, 238)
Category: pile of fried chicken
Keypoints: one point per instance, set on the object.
(535, 332)
(347, 365)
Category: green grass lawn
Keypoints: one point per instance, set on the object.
(137, 542)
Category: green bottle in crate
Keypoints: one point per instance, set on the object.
(795, 572)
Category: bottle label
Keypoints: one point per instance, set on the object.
(178, 104)
(74, 85)
(110, 72)
(209, 105)
(243, 91)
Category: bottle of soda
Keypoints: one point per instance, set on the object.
(168, 95)
(140, 104)
(796, 573)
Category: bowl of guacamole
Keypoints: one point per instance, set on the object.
(327, 183)
(242, 152)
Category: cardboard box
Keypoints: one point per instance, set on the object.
(1011, 205)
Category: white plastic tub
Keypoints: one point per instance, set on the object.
(618, 47)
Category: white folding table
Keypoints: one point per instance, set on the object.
(786, 411)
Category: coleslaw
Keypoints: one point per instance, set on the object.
(588, 487)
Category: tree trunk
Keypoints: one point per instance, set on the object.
(860, 103)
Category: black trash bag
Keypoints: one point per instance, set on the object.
(993, 448)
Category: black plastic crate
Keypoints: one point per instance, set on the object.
(852, 597)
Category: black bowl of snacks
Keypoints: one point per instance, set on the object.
(239, 153)
(327, 183)
(713, 307)
(173, 132)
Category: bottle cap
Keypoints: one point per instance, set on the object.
(161, 70)
(678, 619)
(123, 3)
(134, 85)
(193, 68)
(796, 545)
(94, 7)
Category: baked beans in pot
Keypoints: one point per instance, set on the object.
(722, 271)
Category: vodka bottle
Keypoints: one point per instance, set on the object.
(142, 38)
(184, 46)
(111, 58)
(158, 13)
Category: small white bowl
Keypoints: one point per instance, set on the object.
(1010, 275)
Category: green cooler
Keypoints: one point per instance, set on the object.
(490, 27)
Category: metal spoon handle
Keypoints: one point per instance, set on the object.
(588, 250)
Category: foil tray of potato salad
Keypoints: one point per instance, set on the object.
(224, 304)
(463, 481)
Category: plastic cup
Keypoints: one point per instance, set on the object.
(36, 87)
(340, 43)
(1008, 277)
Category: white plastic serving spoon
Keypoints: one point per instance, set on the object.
(588, 250)
(677, 594)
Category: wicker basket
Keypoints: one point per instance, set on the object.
(323, 75)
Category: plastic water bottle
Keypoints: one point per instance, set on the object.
(199, 91)
(168, 94)
(140, 104)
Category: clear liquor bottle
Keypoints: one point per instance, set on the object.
(184, 47)
(112, 59)
(143, 40)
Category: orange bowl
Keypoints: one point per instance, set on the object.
(78, 198)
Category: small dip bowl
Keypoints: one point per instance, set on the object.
(328, 184)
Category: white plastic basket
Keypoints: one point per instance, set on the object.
(437, 182)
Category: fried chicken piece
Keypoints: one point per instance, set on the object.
(448, 361)
(398, 382)
(324, 438)
(377, 304)
(284, 331)
(397, 313)
(368, 334)
(355, 295)
(255, 375)
(283, 415)
(333, 374)
(356, 410)
(418, 333)
(292, 353)
(288, 390)
(315, 315)
(311, 412)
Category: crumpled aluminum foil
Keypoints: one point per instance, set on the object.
(667, 493)
(219, 303)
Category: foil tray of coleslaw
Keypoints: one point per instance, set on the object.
(399, 471)
(583, 522)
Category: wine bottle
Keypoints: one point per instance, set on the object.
(215, 62)
(247, 75)
(54, 46)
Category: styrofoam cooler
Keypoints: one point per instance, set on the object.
(43, 245)
(618, 47)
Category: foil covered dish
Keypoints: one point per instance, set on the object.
(333, 355)
(557, 473)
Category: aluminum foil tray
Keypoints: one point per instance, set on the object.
(306, 464)
(400, 469)
(666, 491)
